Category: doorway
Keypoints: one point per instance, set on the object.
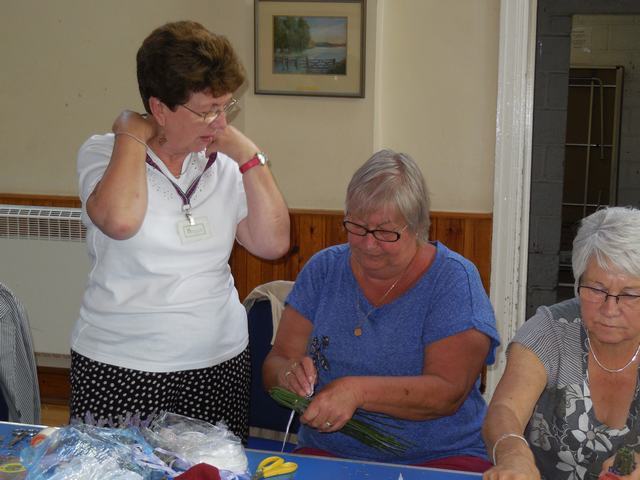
(571, 38)
(590, 181)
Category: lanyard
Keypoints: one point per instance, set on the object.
(185, 196)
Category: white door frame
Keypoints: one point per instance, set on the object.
(512, 176)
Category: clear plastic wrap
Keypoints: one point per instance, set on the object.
(183, 441)
(84, 452)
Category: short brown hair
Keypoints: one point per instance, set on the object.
(181, 58)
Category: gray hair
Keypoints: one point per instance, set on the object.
(391, 179)
(612, 236)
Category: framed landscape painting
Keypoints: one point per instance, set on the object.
(313, 47)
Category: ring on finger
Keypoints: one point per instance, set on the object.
(328, 424)
(287, 373)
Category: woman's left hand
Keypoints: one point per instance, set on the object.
(233, 143)
(332, 407)
(606, 475)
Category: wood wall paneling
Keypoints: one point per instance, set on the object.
(54, 384)
(63, 201)
(312, 230)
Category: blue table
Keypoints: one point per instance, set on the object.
(317, 468)
(309, 467)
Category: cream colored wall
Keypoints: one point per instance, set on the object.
(49, 278)
(69, 68)
(438, 88)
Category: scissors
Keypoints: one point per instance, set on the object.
(273, 466)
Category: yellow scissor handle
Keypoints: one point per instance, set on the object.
(272, 466)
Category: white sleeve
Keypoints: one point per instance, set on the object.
(93, 157)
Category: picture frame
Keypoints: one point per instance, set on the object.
(313, 47)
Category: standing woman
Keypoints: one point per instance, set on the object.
(390, 323)
(164, 197)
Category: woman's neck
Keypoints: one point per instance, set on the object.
(376, 284)
(172, 158)
(615, 356)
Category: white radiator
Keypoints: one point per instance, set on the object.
(43, 260)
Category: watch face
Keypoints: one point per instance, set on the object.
(262, 158)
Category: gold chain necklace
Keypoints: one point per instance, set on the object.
(611, 370)
(358, 330)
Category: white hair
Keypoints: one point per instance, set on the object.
(391, 179)
(611, 236)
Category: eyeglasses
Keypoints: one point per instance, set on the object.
(595, 295)
(210, 117)
(378, 234)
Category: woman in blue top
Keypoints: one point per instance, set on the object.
(390, 323)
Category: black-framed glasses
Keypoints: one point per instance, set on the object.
(596, 295)
(378, 233)
(210, 117)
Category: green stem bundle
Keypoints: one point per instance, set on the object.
(624, 461)
(362, 431)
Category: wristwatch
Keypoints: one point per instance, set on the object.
(258, 159)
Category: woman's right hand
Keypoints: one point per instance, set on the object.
(142, 126)
(513, 469)
(118, 203)
(299, 376)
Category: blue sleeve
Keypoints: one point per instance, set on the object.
(306, 293)
(460, 303)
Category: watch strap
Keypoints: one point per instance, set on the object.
(257, 159)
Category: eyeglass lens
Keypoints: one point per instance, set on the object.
(210, 117)
(601, 296)
(227, 109)
(378, 234)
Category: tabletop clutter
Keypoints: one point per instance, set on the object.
(171, 447)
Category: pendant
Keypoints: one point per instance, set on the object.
(357, 331)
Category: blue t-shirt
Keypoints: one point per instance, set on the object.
(448, 299)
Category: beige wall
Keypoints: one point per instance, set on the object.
(69, 68)
(438, 89)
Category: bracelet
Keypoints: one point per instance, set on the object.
(504, 436)
(131, 135)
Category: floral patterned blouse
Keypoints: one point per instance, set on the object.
(566, 438)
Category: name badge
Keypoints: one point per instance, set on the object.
(195, 231)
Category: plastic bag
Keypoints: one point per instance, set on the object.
(85, 452)
(183, 442)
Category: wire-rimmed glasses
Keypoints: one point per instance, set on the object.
(597, 295)
(211, 116)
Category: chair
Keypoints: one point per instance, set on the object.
(18, 376)
(267, 419)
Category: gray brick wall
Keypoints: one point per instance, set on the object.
(553, 49)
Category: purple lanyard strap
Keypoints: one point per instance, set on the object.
(185, 196)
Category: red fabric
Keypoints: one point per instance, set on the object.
(464, 463)
(316, 452)
(608, 476)
(201, 471)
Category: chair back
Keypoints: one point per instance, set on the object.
(264, 412)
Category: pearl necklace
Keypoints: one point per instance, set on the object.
(611, 370)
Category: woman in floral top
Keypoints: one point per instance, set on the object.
(569, 397)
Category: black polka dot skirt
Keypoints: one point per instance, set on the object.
(110, 396)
